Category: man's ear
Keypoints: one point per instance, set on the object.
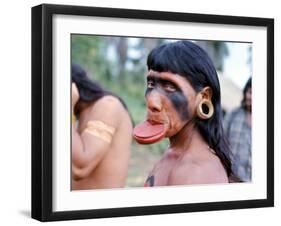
(204, 107)
(206, 93)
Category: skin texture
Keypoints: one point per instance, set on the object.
(171, 91)
(97, 162)
(171, 100)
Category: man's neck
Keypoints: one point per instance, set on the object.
(187, 139)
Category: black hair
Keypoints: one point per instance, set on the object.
(245, 89)
(187, 59)
(89, 91)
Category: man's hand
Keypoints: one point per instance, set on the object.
(75, 95)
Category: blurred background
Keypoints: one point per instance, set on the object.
(118, 64)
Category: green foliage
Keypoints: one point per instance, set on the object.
(221, 51)
(87, 51)
(93, 54)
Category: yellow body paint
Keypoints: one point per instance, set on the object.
(101, 130)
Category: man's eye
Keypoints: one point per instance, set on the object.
(170, 87)
(150, 84)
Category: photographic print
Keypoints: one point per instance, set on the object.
(122, 69)
(144, 112)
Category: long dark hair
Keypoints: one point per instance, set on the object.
(89, 91)
(247, 86)
(190, 61)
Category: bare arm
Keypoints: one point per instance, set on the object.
(94, 141)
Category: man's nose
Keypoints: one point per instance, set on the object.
(153, 102)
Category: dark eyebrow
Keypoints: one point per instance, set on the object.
(149, 77)
(162, 81)
(155, 78)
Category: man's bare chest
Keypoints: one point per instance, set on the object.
(159, 176)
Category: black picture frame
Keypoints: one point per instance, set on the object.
(42, 108)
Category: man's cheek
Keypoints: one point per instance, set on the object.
(180, 104)
(175, 124)
(178, 101)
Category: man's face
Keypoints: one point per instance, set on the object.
(170, 100)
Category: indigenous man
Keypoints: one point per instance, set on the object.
(183, 105)
(238, 128)
(101, 139)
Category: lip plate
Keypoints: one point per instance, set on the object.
(150, 140)
(146, 129)
(147, 133)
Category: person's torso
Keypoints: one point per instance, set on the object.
(111, 171)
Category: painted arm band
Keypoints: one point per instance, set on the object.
(100, 130)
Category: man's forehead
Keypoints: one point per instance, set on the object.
(169, 76)
(163, 75)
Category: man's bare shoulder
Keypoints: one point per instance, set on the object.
(198, 171)
(108, 102)
(109, 110)
(108, 105)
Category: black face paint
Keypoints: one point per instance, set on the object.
(177, 98)
(149, 182)
(180, 103)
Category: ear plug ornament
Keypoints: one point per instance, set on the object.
(205, 109)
